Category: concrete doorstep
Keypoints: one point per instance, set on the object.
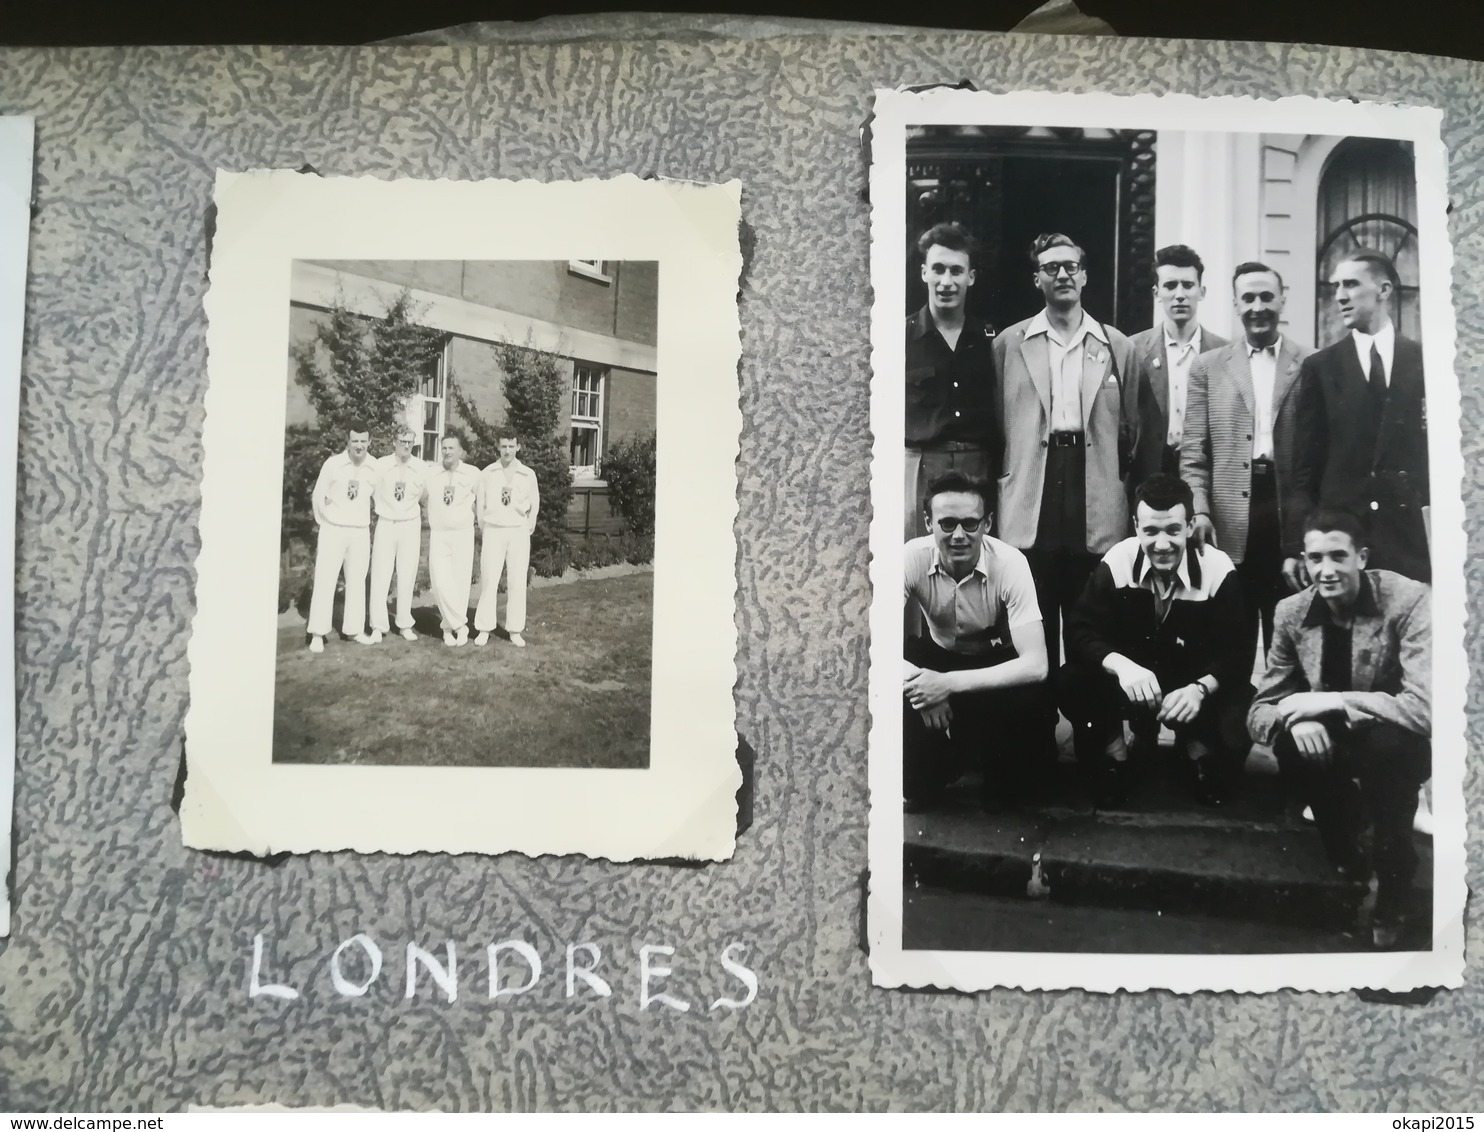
(1253, 859)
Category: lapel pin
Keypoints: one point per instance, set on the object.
(1156, 363)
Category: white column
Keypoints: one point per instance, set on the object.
(1198, 202)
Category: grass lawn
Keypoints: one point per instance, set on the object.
(576, 696)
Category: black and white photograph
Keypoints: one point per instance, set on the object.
(475, 622)
(468, 514)
(1178, 489)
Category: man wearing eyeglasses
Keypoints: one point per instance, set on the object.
(950, 372)
(1079, 422)
(1362, 420)
(974, 683)
(1241, 447)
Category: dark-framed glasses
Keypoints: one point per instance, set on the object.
(970, 526)
(1052, 270)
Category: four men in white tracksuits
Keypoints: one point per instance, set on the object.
(503, 501)
(509, 504)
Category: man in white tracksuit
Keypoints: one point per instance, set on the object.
(342, 509)
(510, 504)
(453, 495)
(399, 528)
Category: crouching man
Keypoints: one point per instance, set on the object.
(975, 686)
(1159, 637)
(1346, 702)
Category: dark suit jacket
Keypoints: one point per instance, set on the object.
(1371, 462)
(1150, 346)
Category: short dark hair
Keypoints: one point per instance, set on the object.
(1161, 491)
(1252, 266)
(1048, 240)
(356, 425)
(956, 481)
(1179, 255)
(506, 432)
(1326, 519)
(1379, 265)
(951, 235)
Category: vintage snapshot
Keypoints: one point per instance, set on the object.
(1167, 475)
(17, 145)
(466, 580)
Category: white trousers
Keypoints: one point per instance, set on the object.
(398, 543)
(503, 547)
(347, 548)
(451, 568)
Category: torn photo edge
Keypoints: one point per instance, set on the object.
(891, 964)
(684, 804)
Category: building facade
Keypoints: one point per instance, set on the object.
(597, 317)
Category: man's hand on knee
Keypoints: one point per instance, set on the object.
(927, 688)
(1312, 741)
(1139, 685)
(1182, 705)
(937, 717)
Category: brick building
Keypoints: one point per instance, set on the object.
(598, 317)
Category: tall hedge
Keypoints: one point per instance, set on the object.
(629, 469)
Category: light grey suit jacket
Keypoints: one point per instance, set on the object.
(1116, 411)
(1150, 346)
(1216, 449)
(1390, 657)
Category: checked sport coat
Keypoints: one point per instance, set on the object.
(1216, 452)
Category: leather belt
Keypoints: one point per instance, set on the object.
(947, 446)
(1065, 439)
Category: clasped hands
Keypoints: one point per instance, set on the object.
(928, 692)
(1141, 687)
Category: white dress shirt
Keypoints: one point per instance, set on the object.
(1385, 341)
(1066, 360)
(1177, 362)
(1264, 364)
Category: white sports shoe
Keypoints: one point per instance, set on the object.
(316, 644)
(482, 640)
(461, 637)
(517, 640)
(448, 638)
(376, 635)
(366, 639)
(409, 634)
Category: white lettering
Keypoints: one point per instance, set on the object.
(445, 977)
(526, 952)
(645, 971)
(254, 986)
(373, 953)
(574, 972)
(747, 978)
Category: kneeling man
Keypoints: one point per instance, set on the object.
(975, 686)
(1159, 637)
(1346, 703)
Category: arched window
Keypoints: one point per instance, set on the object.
(1368, 201)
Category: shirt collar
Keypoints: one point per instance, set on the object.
(1384, 339)
(1365, 604)
(981, 567)
(1146, 571)
(1090, 326)
(1253, 351)
(1172, 344)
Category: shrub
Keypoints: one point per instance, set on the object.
(551, 561)
(637, 549)
(629, 468)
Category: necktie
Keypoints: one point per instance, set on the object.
(1378, 374)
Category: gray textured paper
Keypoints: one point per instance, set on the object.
(125, 982)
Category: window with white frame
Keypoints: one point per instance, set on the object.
(587, 418)
(592, 268)
(432, 392)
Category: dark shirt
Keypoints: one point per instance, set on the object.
(1337, 641)
(950, 393)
